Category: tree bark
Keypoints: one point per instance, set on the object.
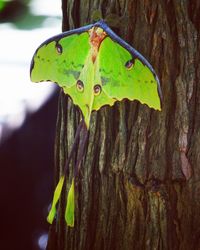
(139, 183)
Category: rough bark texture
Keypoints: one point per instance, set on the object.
(139, 185)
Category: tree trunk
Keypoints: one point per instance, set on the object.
(139, 184)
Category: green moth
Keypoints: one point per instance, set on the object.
(95, 67)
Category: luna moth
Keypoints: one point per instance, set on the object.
(95, 67)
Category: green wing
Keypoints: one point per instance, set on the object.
(122, 76)
(67, 62)
(115, 73)
(61, 60)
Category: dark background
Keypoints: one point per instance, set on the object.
(26, 159)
